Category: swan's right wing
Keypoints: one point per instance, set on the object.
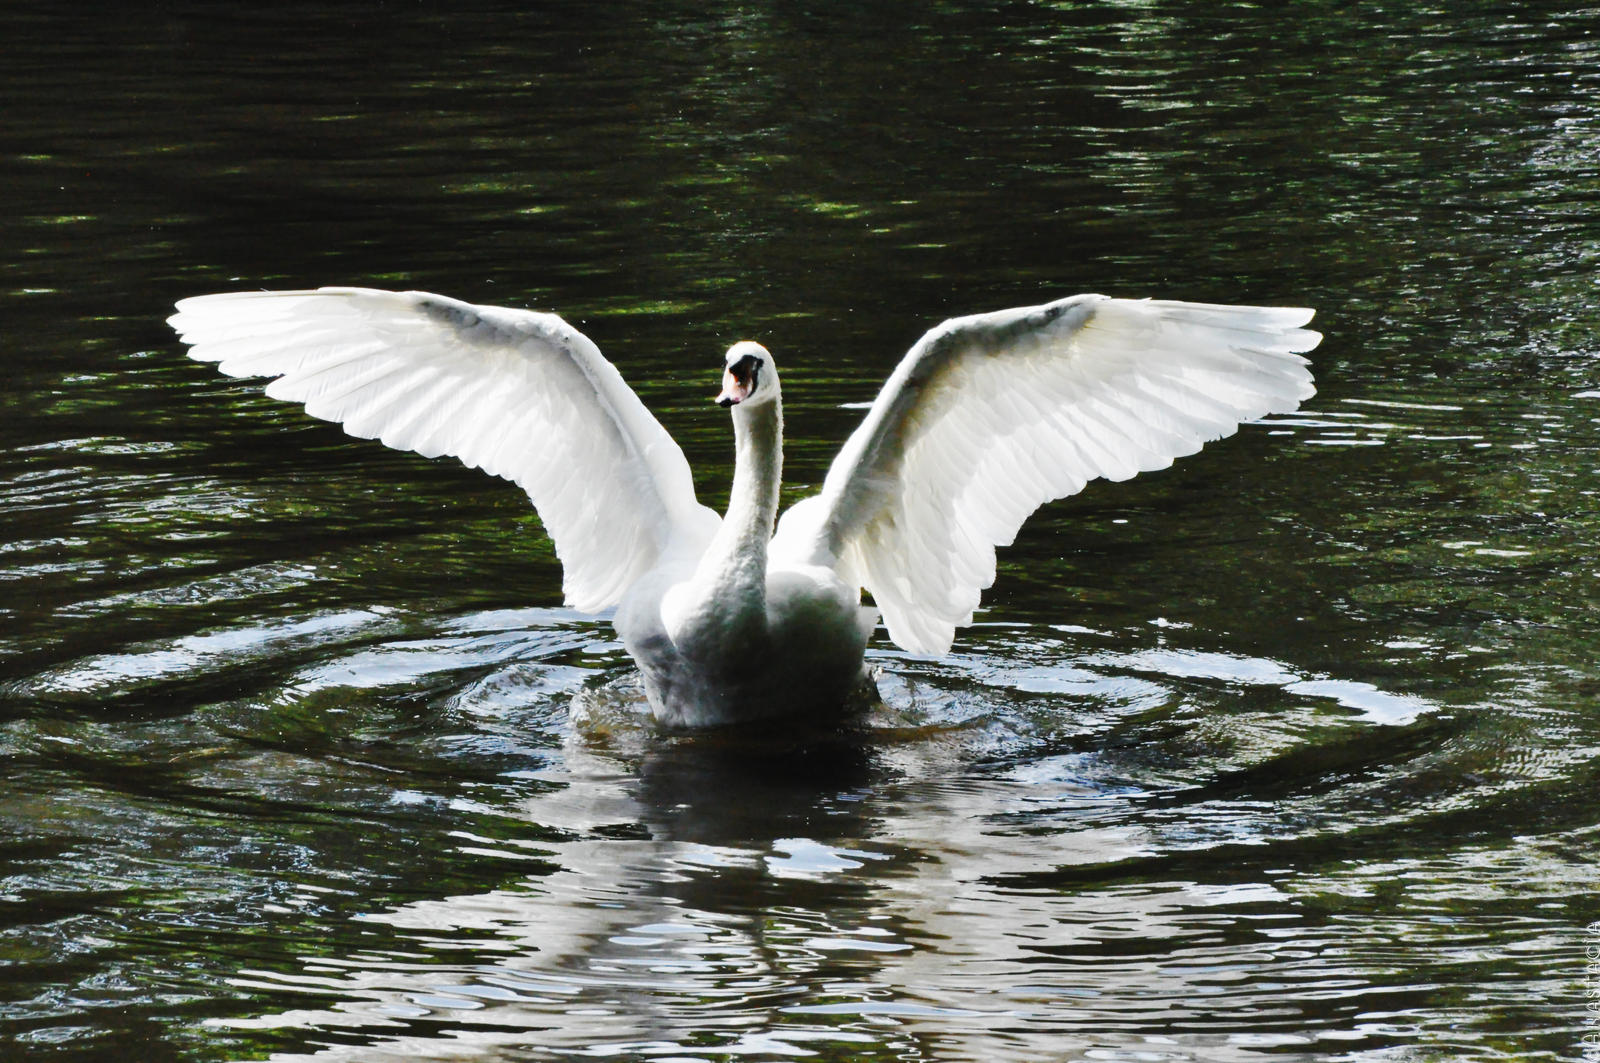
(519, 394)
(989, 417)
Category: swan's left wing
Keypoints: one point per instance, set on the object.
(520, 394)
(990, 416)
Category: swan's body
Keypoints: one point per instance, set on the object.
(734, 618)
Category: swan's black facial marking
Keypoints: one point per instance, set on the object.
(747, 371)
(740, 380)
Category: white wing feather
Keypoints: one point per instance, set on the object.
(988, 417)
(516, 393)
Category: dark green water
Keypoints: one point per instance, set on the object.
(1289, 752)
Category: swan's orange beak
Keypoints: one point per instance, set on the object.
(734, 391)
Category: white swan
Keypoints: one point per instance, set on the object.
(985, 419)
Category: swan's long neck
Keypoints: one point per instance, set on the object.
(734, 567)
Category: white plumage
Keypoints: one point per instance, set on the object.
(985, 419)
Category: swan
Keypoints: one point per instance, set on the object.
(745, 617)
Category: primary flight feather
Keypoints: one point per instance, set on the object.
(984, 420)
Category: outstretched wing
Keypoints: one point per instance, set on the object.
(990, 416)
(516, 393)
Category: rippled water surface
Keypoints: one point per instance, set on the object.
(1288, 752)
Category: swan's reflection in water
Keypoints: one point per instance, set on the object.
(950, 874)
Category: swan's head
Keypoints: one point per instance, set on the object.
(750, 377)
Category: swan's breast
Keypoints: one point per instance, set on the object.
(816, 616)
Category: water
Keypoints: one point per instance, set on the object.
(1288, 752)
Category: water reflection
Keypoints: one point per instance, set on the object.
(874, 892)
